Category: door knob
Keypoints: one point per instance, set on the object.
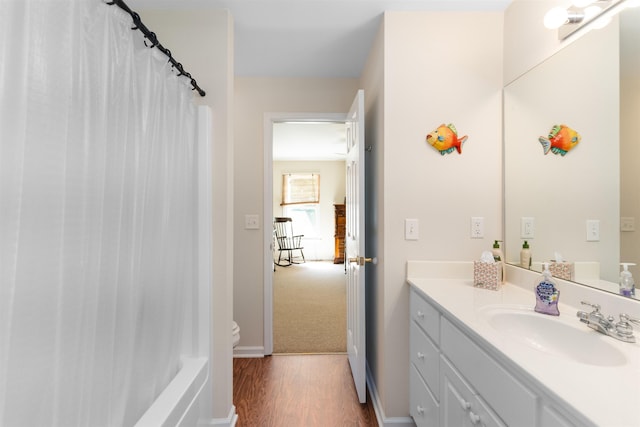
(362, 260)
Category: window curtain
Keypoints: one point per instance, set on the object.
(97, 215)
(300, 188)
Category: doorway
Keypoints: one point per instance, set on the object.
(289, 141)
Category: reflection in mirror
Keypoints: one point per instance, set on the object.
(590, 87)
(629, 148)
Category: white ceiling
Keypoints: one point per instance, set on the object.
(307, 38)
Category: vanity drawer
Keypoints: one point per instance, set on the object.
(425, 357)
(425, 315)
(424, 407)
(489, 379)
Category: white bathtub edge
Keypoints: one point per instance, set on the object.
(176, 399)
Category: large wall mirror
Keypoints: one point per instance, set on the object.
(592, 86)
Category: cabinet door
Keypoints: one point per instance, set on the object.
(486, 417)
(460, 406)
(455, 398)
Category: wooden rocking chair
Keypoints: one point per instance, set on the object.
(287, 241)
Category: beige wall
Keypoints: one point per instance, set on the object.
(437, 68)
(332, 191)
(253, 98)
(180, 31)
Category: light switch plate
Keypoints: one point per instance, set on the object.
(627, 223)
(251, 222)
(411, 229)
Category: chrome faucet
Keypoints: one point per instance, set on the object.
(620, 330)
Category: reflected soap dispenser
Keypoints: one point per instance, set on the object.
(627, 285)
(525, 256)
(547, 295)
(497, 253)
(498, 256)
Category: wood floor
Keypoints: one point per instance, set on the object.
(298, 390)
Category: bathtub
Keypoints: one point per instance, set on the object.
(177, 400)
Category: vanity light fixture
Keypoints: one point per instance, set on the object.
(559, 16)
(569, 19)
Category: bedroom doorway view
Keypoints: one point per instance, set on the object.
(309, 296)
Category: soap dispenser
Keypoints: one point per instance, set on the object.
(546, 293)
(627, 285)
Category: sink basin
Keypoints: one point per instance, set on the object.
(553, 335)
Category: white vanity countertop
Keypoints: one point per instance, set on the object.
(609, 396)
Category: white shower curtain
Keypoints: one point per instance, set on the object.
(97, 215)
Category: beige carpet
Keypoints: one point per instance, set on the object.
(309, 308)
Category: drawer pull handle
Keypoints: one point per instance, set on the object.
(465, 405)
(420, 314)
(474, 418)
(420, 355)
(420, 410)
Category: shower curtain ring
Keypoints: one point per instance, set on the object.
(180, 69)
(152, 38)
(136, 20)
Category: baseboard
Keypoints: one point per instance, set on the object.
(248, 351)
(383, 421)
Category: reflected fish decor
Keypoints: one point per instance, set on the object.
(561, 140)
(445, 139)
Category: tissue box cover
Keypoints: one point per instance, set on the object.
(486, 275)
(562, 270)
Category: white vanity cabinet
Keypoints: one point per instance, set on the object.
(455, 382)
(424, 377)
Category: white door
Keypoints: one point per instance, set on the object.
(354, 245)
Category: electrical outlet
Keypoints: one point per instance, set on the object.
(411, 231)
(627, 223)
(593, 230)
(477, 227)
(527, 227)
(251, 222)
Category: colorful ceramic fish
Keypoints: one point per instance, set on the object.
(561, 140)
(445, 139)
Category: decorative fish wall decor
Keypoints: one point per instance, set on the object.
(445, 139)
(561, 140)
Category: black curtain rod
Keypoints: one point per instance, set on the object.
(151, 36)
